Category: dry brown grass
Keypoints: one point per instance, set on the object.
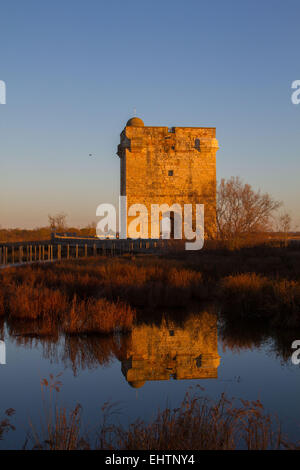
(197, 424)
(2, 309)
(98, 316)
(52, 312)
(141, 283)
(47, 297)
(201, 424)
(5, 424)
(34, 302)
(63, 433)
(254, 282)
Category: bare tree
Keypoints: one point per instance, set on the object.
(242, 211)
(284, 224)
(58, 222)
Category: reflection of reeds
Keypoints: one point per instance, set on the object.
(75, 351)
(23, 330)
(2, 323)
(239, 334)
(258, 296)
(91, 351)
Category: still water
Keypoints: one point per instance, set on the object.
(150, 368)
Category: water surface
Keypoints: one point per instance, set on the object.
(151, 368)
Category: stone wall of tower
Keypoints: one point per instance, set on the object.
(178, 165)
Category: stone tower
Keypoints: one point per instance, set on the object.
(161, 165)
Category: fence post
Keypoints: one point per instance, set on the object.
(58, 252)
(0, 254)
(76, 255)
(85, 250)
(68, 251)
(95, 249)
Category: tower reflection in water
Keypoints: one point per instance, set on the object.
(188, 350)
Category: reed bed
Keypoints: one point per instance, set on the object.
(50, 310)
(198, 424)
(98, 316)
(2, 309)
(201, 424)
(261, 282)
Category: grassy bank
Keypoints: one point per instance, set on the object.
(102, 294)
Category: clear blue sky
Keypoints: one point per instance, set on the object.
(75, 70)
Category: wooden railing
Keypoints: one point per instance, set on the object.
(59, 248)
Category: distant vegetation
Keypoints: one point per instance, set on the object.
(57, 223)
(38, 234)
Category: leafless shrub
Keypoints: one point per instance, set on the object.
(242, 211)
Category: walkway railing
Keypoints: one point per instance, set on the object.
(57, 249)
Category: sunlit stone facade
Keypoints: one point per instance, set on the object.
(161, 165)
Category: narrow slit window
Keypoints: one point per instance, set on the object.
(197, 145)
(170, 173)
